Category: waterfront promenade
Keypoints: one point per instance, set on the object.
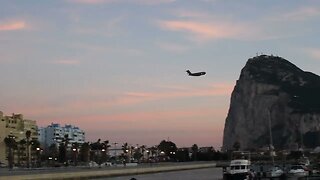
(86, 173)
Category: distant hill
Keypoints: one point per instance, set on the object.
(272, 90)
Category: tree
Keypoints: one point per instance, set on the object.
(21, 149)
(195, 150)
(99, 149)
(84, 152)
(168, 148)
(63, 149)
(104, 149)
(11, 144)
(138, 152)
(53, 152)
(125, 154)
(62, 153)
(28, 135)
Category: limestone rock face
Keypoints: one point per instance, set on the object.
(273, 95)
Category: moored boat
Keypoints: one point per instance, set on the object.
(239, 169)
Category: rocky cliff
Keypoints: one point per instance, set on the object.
(273, 95)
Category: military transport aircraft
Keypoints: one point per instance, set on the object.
(195, 74)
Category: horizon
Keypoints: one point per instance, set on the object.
(117, 69)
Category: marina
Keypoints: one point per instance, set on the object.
(241, 166)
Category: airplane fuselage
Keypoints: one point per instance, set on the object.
(196, 74)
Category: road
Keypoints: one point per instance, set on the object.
(195, 174)
(114, 171)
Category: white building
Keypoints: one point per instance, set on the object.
(55, 134)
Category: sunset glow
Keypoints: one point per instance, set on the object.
(117, 68)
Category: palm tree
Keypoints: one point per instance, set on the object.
(62, 153)
(84, 152)
(28, 135)
(125, 149)
(52, 152)
(104, 150)
(21, 149)
(63, 148)
(96, 148)
(11, 144)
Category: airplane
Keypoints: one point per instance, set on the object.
(195, 74)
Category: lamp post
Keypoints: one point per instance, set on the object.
(75, 154)
(103, 158)
(38, 149)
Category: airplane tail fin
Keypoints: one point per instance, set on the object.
(188, 72)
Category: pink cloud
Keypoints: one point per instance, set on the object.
(146, 2)
(302, 14)
(151, 2)
(91, 101)
(223, 89)
(313, 52)
(92, 1)
(66, 62)
(12, 26)
(204, 31)
(183, 13)
(173, 47)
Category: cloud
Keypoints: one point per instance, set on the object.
(98, 100)
(173, 47)
(12, 26)
(91, 1)
(301, 14)
(151, 2)
(66, 62)
(204, 31)
(145, 2)
(313, 52)
(187, 13)
(223, 89)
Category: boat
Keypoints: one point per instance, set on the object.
(239, 169)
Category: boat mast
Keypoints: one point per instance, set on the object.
(271, 141)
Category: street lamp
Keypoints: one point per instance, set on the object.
(75, 152)
(38, 156)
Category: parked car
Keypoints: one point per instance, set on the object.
(275, 171)
(298, 170)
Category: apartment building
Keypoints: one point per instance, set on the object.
(15, 126)
(55, 134)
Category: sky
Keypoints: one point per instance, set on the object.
(116, 68)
